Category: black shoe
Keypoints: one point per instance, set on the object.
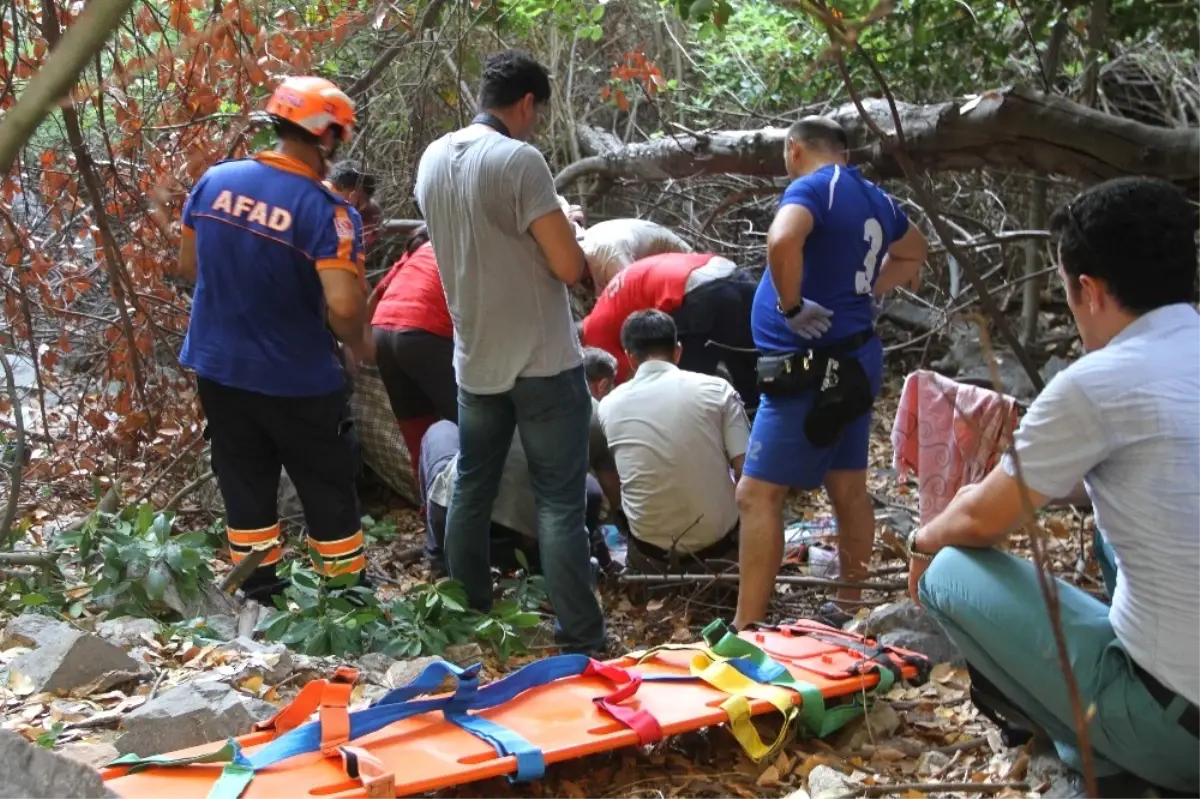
(832, 615)
(1121, 786)
(263, 585)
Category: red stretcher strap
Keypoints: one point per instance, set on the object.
(640, 721)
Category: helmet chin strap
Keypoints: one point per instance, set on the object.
(328, 153)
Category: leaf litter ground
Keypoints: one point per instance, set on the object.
(918, 741)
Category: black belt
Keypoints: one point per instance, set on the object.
(720, 547)
(845, 346)
(1189, 719)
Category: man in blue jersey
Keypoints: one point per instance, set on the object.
(837, 242)
(276, 255)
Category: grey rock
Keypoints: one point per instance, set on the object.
(68, 710)
(32, 630)
(221, 626)
(75, 663)
(127, 631)
(904, 614)
(34, 772)
(935, 646)
(967, 362)
(375, 662)
(96, 755)
(464, 654)
(1053, 367)
(932, 761)
(189, 715)
(208, 601)
(878, 724)
(403, 672)
(825, 782)
(272, 661)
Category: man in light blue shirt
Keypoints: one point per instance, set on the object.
(1125, 420)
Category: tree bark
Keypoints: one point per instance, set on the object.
(1031, 293)
(1012, 128)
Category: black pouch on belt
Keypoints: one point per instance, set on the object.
(844, 395)
(787, 375)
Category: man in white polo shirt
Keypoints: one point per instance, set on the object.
(678, 439)
(1124, 419)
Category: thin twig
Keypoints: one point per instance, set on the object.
(1048, 586)
(814, 582)
(187, 489)
(16, 469)
(43, 560)
(944, 787)
(145, 495)
(162, 673)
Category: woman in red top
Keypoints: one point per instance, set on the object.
(414, 343)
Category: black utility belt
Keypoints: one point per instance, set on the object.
(796, 372)
(844, 391)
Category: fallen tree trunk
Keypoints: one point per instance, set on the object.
(1013, 128)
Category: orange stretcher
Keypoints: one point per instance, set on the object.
(532, 717)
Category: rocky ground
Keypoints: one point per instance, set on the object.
(91, 688)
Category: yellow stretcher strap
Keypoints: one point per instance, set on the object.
(741, 690)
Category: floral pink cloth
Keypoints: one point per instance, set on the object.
(949, 434)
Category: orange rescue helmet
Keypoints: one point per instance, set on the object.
(313, 104)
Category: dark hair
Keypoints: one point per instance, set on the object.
(599, 364)
(419, 236)
(648, 333)
(348, 175)
(1137, 234)
(286, 129)
(820, 132)
(509, 76)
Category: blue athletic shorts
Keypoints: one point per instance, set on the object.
(780, 452)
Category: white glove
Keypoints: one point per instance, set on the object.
(813, 321)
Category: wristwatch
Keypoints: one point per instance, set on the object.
(910, 547)
(791, 313)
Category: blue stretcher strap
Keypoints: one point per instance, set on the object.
(396, 705)
(307, 738)
(531, 764)
(432, 677)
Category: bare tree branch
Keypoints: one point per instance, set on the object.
(368, 78)
(1012, 128)
(16, 469)
(68, 58)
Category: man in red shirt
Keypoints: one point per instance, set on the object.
(709, 298)
(414, 343)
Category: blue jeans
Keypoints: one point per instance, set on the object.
(551, 414)
(991, 607)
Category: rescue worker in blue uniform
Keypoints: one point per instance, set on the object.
(276, 256)
(837, 242)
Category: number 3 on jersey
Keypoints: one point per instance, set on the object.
(864, 279)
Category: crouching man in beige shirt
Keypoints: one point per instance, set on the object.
(678, 440)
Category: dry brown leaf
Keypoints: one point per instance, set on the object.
(654, 605)
(254, 683)
(571, 790)
(887, 754)
(783, 763)
(812, 761)
(20, 684)
(770, 776)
